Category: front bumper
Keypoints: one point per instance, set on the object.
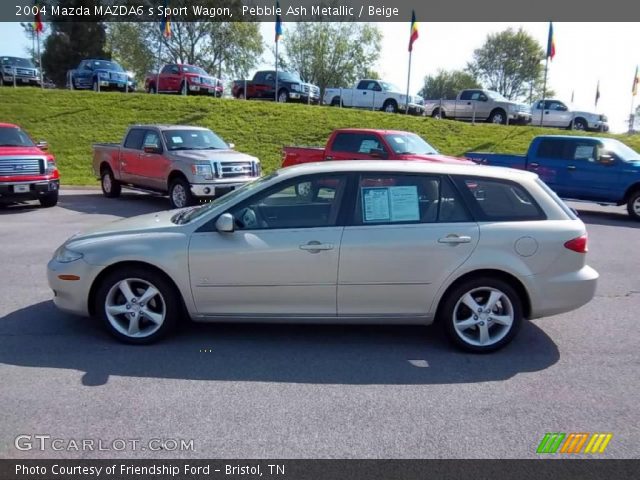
(72, 296)
(27, 190)
(551, 295)
(203, 89)
(598, 126)
(414, 109)
(112, 84)
(520, 118)
(215, 189)
(8, 78)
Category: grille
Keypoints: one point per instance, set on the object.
(236, 169)
(23, 72)
(118, 77)
(206, 81)
(21, 166)
(315, 91)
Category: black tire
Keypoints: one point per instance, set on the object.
(241, 95)
(166, 304)
(390, 106)
(111, 187)
(95, 87)
(437, 113)
(180, 198)
(633, 205)
(184, 89)
(151, 89)
(49, 200)
(335, 102)
(283, 96)
(579, 124)
(498, 116)
(452, 307)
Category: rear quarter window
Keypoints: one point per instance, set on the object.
(499, 200)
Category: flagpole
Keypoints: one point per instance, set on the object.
(276, 92)
(408, 82)
(544, 89)
(159, 64)
(39, 59)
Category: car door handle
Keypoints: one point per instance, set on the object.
(468, 103)
(315, 246)
(328, 158)
(534, 165)
(571, 167)
(453, 239)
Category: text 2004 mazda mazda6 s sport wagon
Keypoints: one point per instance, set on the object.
(475, 248)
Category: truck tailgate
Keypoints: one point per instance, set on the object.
(298, 155)
(498, 159)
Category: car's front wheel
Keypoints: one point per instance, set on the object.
(482, 314)
(180, 195)
(138, 305)
(633, 205)
(49, 200)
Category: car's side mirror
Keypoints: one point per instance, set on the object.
(606, 159)
(378, 153)
(152, 149)
(225, 223)
(42, 145)
(232, 146)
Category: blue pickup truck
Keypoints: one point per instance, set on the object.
(100, 75)
(592, 169)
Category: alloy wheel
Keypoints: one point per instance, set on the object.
(135, 308)
(483, 316)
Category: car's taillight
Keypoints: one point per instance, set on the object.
(578, 244)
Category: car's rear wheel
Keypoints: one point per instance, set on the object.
(390, 106)
(111, 187)
(579, 124)
(482, 314)
(633, 205)
(180, 195)
(49, 200)
(138, 305)
(151, 89)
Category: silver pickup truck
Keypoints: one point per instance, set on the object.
(479, 105)
(184, 162)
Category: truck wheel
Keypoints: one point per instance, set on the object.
(49, 200)
(498, 117)
(335, 102)
(184, 90)
(96, 87)
(579, 124)
(110, 186)
(437, 113)
(482, 314)
(180, 195)
(241, 95)
(151, 89)
(390, 106)
(633, 205)
(283, 96)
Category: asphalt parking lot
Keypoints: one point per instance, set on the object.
(278, 391)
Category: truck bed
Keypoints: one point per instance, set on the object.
(498, 159)
(297, 155)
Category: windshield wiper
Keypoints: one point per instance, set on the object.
(184, 148)
(181, 217)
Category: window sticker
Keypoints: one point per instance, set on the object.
(584, 152)
(367, 145)
(176, 139)
(390, 204)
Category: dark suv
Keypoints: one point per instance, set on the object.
(18, 71)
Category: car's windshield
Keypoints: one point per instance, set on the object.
(621, 150)
(105, 65)
(192, 69)
(191, 214)
(409, 143)
(14, 137)
(18, 62)
(289, 77)
(495, 96)
(193, 140)
(389, 87)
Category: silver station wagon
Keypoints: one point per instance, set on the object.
(476, 249)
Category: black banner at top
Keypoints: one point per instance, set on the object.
(320, 10)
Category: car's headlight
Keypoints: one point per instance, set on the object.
(103, 75)
(295, 87)
(203, 170)
(64, 255)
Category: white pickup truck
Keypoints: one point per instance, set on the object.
(373, 95)
(557, 114)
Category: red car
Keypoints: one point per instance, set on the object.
(368, 144)
(27, 170)
(183, 79)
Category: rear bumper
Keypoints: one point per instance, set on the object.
(29, 190)
(551, 295)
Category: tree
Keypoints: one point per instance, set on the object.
(128, 45)
(509, 62)
(447, 84)
(332, 53)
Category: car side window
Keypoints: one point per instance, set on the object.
(269, 77)
(307, 202)
(587, 151)
(151, 139)
(362, 85)
(166, 69)
(551, 149)
(466, 95)
(134, 139)
(356, 143)
(396, 198)
(494, 199)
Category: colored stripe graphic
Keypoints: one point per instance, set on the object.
(550, 443)
(598, 443)
(573, 443)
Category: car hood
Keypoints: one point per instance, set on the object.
(585, 113)
(437, 158)
(11, 151)
(215, 155)
(141, 224)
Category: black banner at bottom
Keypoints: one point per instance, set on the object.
(560, 469)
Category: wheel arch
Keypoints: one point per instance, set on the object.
(176, 174)
(91, 300)
(497, 109)
(488, 272)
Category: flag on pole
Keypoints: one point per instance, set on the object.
(414, 30)
(165, 23)
(278, 23)
(597, 93)
(551, 43)
(38, 26)
(636, 81)
(572, 94)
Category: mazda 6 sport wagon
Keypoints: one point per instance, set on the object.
(475, 249)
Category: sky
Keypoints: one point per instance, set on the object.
(586, 53)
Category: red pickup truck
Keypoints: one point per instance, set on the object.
(368, 144)
(183, 79)
(27, 171)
